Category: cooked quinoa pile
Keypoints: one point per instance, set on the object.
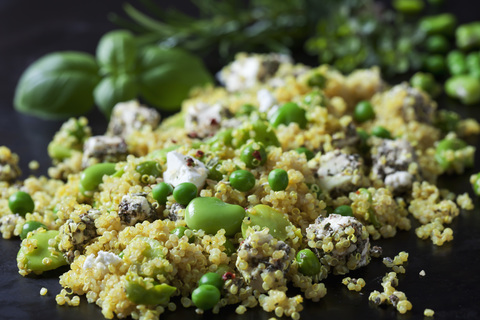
(289, 187)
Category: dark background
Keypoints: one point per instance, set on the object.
(31, 28)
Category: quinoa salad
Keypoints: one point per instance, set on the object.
(251, 196)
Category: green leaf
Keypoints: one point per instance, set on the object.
(116, 52)
(58, 85)
(166, 76)
(114, 89)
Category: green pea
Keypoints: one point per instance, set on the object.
(457, 63)
(267, 217)
(425, 82)
(465, 88)
(141, 291)
(308, 263)
(245, 109)
(363, 111)
(381, 132)
(315, 98)
(161, 191)
(212, 214)
(21, 203)
(278, 179)
(229, 247)
(253, 154)
(41, 257)
(317, 80)
(437, 43)
(31, 226)
(149, 168)
(185, 192)
(435, 64)
(213, 279)
(288, 113)
(408, 6)
(242, 180)
(468, 35)
(180, 232)
(221, 139)
(308, 153)
(206, 296)
(344, 210)
(438, 24)
(91, 177)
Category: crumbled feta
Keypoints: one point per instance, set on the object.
(399, 180)
(103, 148)
(181, 168)
(267, 102)
(203, 119)
(101, 261)
(130, 116)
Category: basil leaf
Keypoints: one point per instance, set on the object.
(114, 89)
(116, 52)
(58, 85)
(166, 76)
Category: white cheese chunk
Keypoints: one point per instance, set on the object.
(181, 168)
(101, 261)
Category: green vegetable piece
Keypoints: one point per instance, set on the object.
(465, 88)
(408, 6)
(35, 254)
(473, 64)
(180, 232)
(445, 145)
(58, 151)
(213, 279)
(317, 80)
(31, 226)
(184, 193)
(91, 177)
(117, 52)
(315, 98)
(308, 263)
(165, 76)
(439, 24)
(267, 217)
(437, 43)
(246, 109)
(278, 179)
(254, 155)
(475, 181)
(425, 82)
(447, 121)
(435, 64)
(308, 153)
(363, 144)
(206, 296)
(344, 210)
(21, 203)
(468, 36)
(58, 85)
(212, 214)
(161, 191)
(363, 111)
(114, 89)
(242, 180)
(221, 139)
(288, 113)
(137, 292)
(381, 132)
(229, 247)
(215, 171)
(258, 130)
(149, 168)
(457, 62)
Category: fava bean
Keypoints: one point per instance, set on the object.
(21, 203)
(443, 147)
(439, 24)
(265, 216)
(456, 63)
(308, 263)
(408, 6)
(212, 214)
(437, 43)
(149, 168)
(468, 36)
(91, 177)
(425, 82)
(465, 88)
(141, 291)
